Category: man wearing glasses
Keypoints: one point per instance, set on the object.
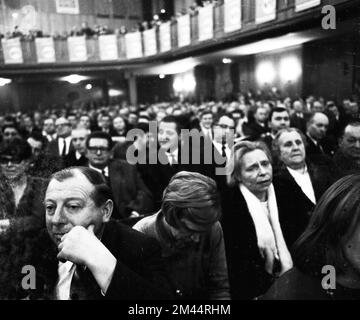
(131, 196)
(10, 131)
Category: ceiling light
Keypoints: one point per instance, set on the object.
(88, 86)
(74, 78)
(4, 81)
(226, 60)
(161, 76)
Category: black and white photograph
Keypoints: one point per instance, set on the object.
(180, 156)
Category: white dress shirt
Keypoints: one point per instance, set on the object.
(207, 132)
(77, 155)
(304, 182)
(106, 170)
(61, 144)
(173, 156)
(66, 272)
(218, 147)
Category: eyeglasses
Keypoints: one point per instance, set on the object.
(225, 126)
(7, 159)
(96, 149)
(10, 134)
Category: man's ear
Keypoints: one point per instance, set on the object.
(107, 210)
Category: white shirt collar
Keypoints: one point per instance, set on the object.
(77, 155)
(172, 155)
(106, 170)
(303, 180)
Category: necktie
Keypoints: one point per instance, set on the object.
(63, 152)
(106, 177)
(83, 285)
(223, 149)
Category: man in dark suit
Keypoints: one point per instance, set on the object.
(62, 145)
(174, 151)
(93, 256)
(278, 119)
(77, 157)
(258, 126)
(319, 148)
(299, 117)
(347, 158)
(298, 182)
(131, 196)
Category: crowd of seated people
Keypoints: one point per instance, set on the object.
(235, 182)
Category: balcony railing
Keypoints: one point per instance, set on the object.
(118, 49)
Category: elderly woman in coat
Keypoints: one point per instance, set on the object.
(255, 247)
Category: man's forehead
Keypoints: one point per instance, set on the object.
(98, 142)
(281, 114)
(167, 125)
(79, 134)
(226, 120)
(353, 131)
(77, 186)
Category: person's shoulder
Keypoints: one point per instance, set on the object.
(145, 222)
(295, 285)
(125, 236)
(120, 163)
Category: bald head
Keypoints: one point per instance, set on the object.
(317, 126)
(298, 107)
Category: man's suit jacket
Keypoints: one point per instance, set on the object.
(296, 207)
(53, 147)
(319, 153)
(139, 272)
(129, 190)
(157, 176)
(254, 130)
(298, 122)
(71, 161)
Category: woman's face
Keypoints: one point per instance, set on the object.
(13, 168)
(256, 172)
(119, 123)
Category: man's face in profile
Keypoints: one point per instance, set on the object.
(68, 204)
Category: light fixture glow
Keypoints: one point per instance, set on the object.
(290, 69)
(15, 15)
(4, 81)
(115, 93)
(161, 76)
(74, 78)
(156, 17)
(265, 72)
(178, 85)
(162, 10)
(88, 86)
(226, 60)
(189, 83)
